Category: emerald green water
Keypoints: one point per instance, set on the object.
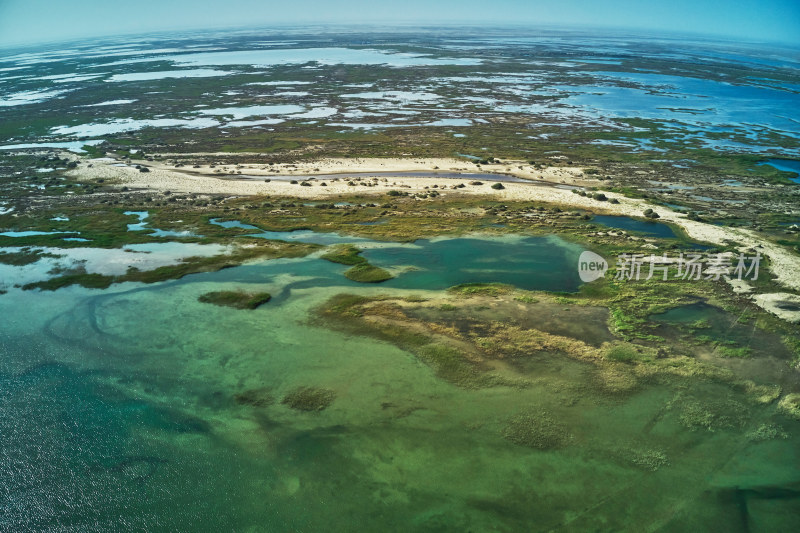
(532, 263)
(118, 412)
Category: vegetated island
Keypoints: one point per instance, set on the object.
(236, 299)
(362, 271)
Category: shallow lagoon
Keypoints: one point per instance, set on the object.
(145, 409)
(532, 263)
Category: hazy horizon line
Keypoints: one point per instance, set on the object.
(631, 31)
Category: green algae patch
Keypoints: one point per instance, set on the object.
(792, 344)
(309, 399)
(759, 394)
(623, 353)
(367, 273)
(790, 405)
(743, 352)
(343, 305)
(485, 289)
(362, 271)
(236, 299)
(344, 254)
(538, 430)
(449, 364)
(711, 414)
(766, 432)
(650, 460)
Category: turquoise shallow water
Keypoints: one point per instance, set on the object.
(788, 165)
(532, 263)
(119, 412)
(655, 229)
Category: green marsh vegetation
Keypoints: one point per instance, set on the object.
(236, 299)
(475, 289)
(345, 254)
(366, 273)
(26, 256)
(459, 352)
(790, 404)
(362, 271)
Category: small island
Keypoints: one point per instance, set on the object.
(362, 271)
(236, 299)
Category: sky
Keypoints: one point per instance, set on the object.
(33, 21)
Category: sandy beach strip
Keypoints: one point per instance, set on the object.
(785, 265)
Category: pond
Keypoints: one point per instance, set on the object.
(533, 263)
(653, 229)
(142, 225)
(787, 165)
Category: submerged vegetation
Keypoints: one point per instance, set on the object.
(309, 399)
(465, 351)
(536, 429)
(254, 398)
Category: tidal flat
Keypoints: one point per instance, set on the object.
(290, 283)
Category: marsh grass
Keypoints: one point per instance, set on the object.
(487, 289)
(742, 352)
(236, 299)
(23, 257)
(449, 364)
(623, 353)
(362, 271)
(344, 254)
(366, 273)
